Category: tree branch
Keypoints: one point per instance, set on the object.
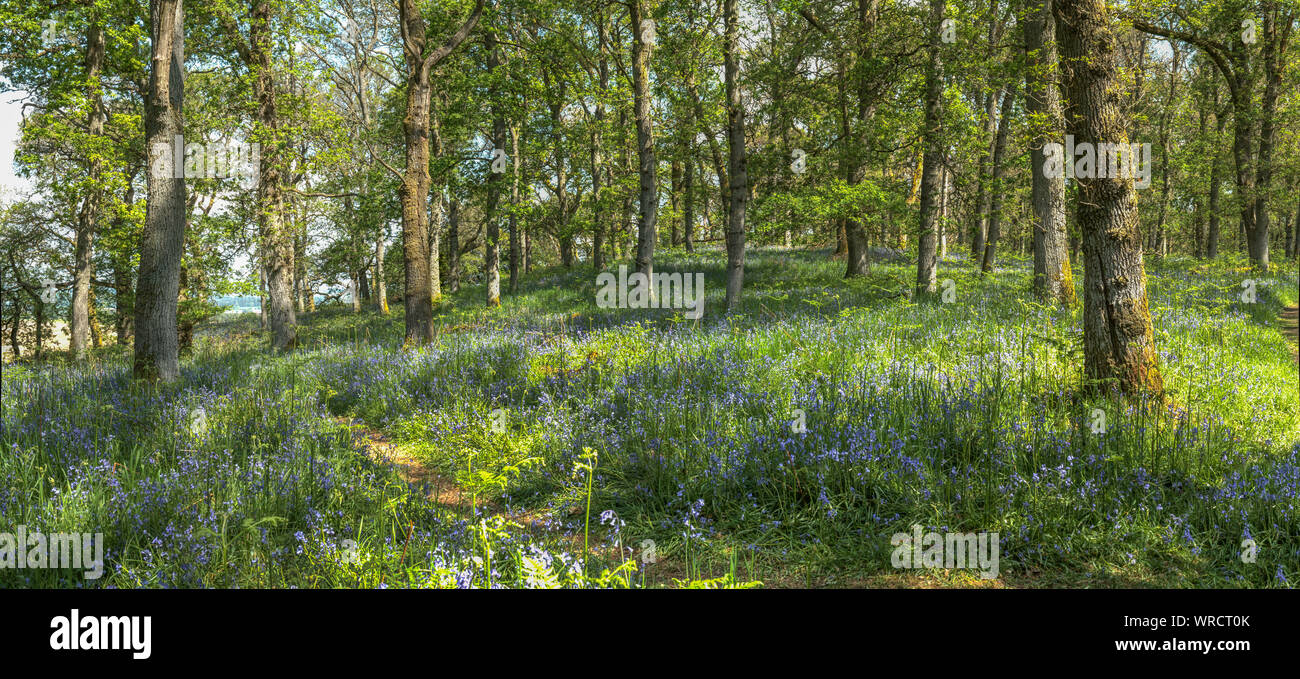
(455, 40)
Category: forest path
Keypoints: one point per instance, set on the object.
(1289, 328)
(442, 490)
(541, 523)
(446, 492)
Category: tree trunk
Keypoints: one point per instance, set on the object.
(514, 218)
(944, 188)
(1198, 205)
(855, 230)
(1290, 237)
(40, 330)
(184, 324)
(13, 329)
(565, 244)
(300, 265)
(563, 234)
(277, 244)
(96, 332)
(736, 165)
(599, 171)
(647, 227)
(84, 257)
(435, 223)
(1119, 347)
(1216, 182)
(417, 297)
(1243, 117)
(927, 265)
(688, 204)
(528, 248)
(840, 225)
(417, 294)
(1295, 239)
(1275, 44)
(1053, 281)
(156, 350)
(983, 197)
(674, 197)
(381, 288)
(491, 255)
(1159, 239)
(453, 245)
(123, 300)
(995, 201)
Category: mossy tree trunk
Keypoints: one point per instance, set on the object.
(1119, 347)
(1052, 279)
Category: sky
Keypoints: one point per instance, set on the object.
(10, 115)
(11, 185)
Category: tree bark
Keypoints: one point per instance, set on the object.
(1053, 279)
(514, 217)
(1216, 183)
(299, 264)
(1198, 204)
(1159, 238)
(736, 165)
(995, 184)
(563, 234)
(13, 329)
(927, 265)
(156, 352)
(688, 204)
(648, 221)
(599, 172)
(87, 220)
(1290, 237)
(381, 288)
(1276, 39)
(492, 255)
(277, 243)
(435, 222)
(418, 293)
(453, 245)
(1119, 346)
(674, 198)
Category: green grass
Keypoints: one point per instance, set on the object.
(967, 416)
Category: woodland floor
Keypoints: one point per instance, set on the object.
(633, 427)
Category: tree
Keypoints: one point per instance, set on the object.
(1232, 57)
(600, 171)
(927, 258)
(157, 350)
(276, 239)
(855, 231)
(647, 224)
(415, 181)
(1119, 345)
(1053, 281)
(83, 271)
(736, 169)
(995, 182)
(492, 251)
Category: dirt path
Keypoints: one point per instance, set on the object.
(447, 493)
(1289, 328)
(440, 489)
